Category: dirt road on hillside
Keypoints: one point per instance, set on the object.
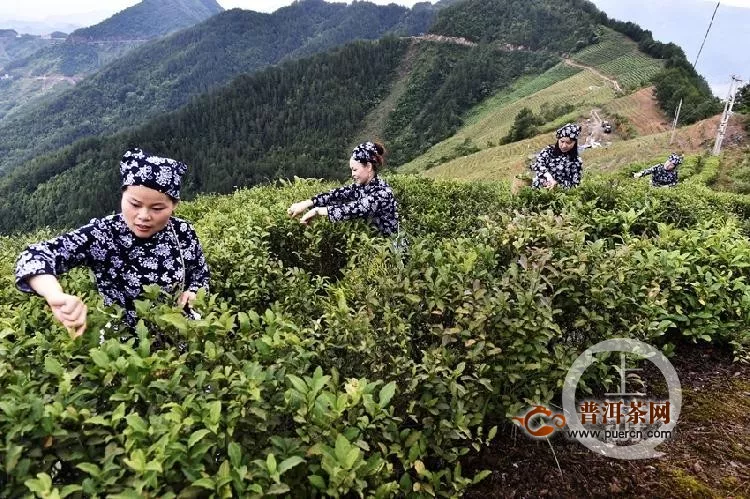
(49, 81)
(573, 63)
(444, 39)
(593, 132)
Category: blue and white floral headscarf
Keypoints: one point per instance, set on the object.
(365, 153)
(138, 167)
(675, 158)
(569, 130)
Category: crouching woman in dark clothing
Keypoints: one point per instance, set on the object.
(369, 197)
(142, 245)
(559, 164)
(663, 174)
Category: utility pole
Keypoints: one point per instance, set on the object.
(674, 123)
(725, 117)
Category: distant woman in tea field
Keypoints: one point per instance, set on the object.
(559, 164)
(142, 245)
(663, 174)
(369, 197)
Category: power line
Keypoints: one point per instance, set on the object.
(706, 36)
(677, 113)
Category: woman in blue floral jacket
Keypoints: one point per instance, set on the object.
(663, 174)
(559, 164)
(142, 245)
(369, 197)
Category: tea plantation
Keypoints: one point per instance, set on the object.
(325, 363)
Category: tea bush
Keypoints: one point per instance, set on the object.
(325, 364)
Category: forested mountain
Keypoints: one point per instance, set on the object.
(165, 74)
(298, 118)
(149, 19)
(86, 49)
(24, 64)
(36, 67)
(13, 47)
(545, 24)
(562, 26)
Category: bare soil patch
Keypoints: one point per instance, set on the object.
(708, 457)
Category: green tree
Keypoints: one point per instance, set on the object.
(524, 126)
(742, 99)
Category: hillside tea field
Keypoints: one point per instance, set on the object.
(324, 365)
(614, 56)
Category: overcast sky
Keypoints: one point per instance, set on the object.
(95, 10)
(39, 10)
(679, 21)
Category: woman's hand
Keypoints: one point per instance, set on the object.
(637, 175)
(67, 309)
(186, 298)
(299, 208)
(70, 311)
(185, 302)
(315, 212)
(550, 181)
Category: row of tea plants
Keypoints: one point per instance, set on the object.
(325, 363)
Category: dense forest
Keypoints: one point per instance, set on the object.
(165, 74)
(448, 81)
(296, 119)
(742, 99)
(300, 117)
(41, 68)
(533, 24)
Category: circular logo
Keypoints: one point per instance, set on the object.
(644, 449)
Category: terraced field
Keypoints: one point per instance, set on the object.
(632, 70)
(584, 90)
(496, 163)
(618, 56)
(499, 163)
(524, 87)
(611, 46)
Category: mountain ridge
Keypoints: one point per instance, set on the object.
(258, 127)
(89, 49)
(137, 22)
(167, 73)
